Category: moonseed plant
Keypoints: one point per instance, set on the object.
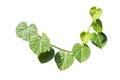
(44, 49)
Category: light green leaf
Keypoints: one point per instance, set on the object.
(81, 53)
(97, 25)
(39, 45)
(95, 13)
(85, 37)
(46, 56)
(99, 39)
(63, 60)
(25, 32)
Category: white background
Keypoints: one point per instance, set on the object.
(62, 21)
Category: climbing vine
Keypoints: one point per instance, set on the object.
(42, 47)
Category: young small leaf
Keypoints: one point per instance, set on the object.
(63, 60)
(39, 45)
(25, 32)
(97, 25)
(81, 53)
(85, 37)
(95, 13)
(46, 56)
(99, 39)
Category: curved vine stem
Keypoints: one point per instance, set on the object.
(60, 48)
(57, 47)
(89, 28)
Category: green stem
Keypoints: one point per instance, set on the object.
(59, 48)
(89, 28)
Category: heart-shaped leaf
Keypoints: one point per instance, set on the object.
(85, 37)
(81, 53)
(97, 25)
(46, 56)
(95, 13)
(39, 45)
(63, 60)
(26, 32)
(99, 39)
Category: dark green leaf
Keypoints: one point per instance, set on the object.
(46, 56)
(99, 39)
(63, 60)
(39, 45)
(25, 32)
(97, 25)
(95, 13)
(81, 53)
(85, 37)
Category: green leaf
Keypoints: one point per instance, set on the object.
(81, 53)
(39, 44)
(99, 39)
(85, 37)
(97, 25)
(95, 13)
(63, 60)
(25, 32)
(46, 56)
